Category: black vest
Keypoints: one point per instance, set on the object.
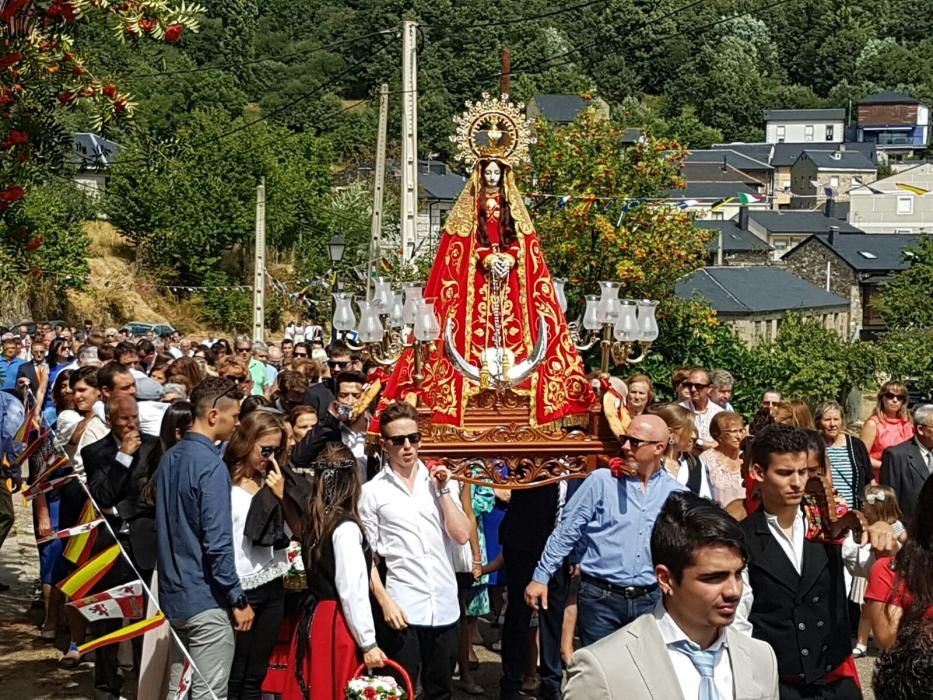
(321, 574)
(804, 617)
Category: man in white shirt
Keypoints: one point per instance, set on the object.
(703, 408)
(685, 648)
(413, 524)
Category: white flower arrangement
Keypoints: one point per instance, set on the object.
(374, 688)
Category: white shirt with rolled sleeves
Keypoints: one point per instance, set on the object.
(407, 531)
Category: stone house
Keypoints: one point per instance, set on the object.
(783, 230)
(755, 299)
(853, 266)
(815, 174)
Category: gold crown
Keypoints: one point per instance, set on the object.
(492, 128)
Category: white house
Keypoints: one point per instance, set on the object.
(895, 204)
(805, 125)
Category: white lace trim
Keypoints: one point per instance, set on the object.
(264, 575)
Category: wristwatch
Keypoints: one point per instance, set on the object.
(441, 491)
(242, 602)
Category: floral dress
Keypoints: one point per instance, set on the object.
(484, 501)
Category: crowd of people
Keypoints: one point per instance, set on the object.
(288, 544)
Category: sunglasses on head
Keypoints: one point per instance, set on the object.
(890, 397)
(695, 385)
(338, 364)
(266, 452)
(399, 440)
(636, 442)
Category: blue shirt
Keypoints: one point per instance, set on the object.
(12, 415)
(608, 521)
(194, 530)
(8, 371)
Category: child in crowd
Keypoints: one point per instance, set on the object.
(880, 504)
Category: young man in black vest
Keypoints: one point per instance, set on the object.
(795, 596)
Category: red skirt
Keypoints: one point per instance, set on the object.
(330, 658)
(277, 672)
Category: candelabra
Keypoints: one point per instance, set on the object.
(390, 323)
(616, 324)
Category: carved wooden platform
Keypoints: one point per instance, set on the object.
(497, 446)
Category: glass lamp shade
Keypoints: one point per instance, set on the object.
(382, 295)
(559, 291)
(607, 311)
(427, 327)
(370, 330)
(589, 314)
(626, 325)
(647, 322)
(335, 248)
(344, 320)
(396, 314)
(413, 294)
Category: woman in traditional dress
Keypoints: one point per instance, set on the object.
(337, 631)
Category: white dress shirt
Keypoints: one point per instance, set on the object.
(687, 675)
(702, 419)
(857, 560)
(407, 530)
(352, 582)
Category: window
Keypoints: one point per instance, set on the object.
(829, 132)
(905, 205)
(780, 134)
(808, 132)
(834, 181)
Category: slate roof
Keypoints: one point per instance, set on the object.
(711, 190)
(755, 151)
(889, 97)
(755, 289)
(560, 108)
(445, 187)
(798, 222)
(839, 160)
(734, 239)
(787, 115)
(92, 152)
(732, 157)
(869, 252)
(786, 154)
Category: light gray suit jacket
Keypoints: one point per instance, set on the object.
(633, 664)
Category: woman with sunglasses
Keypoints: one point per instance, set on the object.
(888, 425)
(251, 459)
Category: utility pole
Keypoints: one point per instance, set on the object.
(505, 75)
(259, 264)
(409, 137)
(379, 176)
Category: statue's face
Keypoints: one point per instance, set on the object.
(492, 174)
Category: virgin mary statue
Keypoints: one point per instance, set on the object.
(503, 326)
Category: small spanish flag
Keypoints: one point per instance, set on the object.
(84, 579)
(78, 550)
(919, 191)
(124, 633)
(29, 426)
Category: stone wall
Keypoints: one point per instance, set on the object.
(808, 260)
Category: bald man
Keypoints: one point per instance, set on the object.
(609, 520)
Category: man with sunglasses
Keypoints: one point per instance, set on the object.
(702, 406)
(413, 522)
(321, 395)
(610, 522)
(907, 466)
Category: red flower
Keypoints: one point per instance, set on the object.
(370, 692)
(147, 24)
(66, 97)
(18, 138)
(12, 194)
(55, 9)
(131, 30)
(120, 105)
(110, 90)
(34, 243)
(78, 70)
(173, 33)
(68, 12)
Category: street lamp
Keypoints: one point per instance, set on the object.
(335, 249)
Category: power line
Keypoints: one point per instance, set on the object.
(532, 18)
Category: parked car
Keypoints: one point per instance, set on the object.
(138, 329)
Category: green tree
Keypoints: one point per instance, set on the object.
(906, 302)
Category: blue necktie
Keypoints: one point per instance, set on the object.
(704, 660)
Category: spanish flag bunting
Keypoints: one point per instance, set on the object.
(40, 487)
(52, 464)
(123, 634)
(919, 191)
(720, 203)
(33, 446)
(30, 425)
(184, 683)
(79, 547)
(123, 601)
(71, 531)
(84, 579)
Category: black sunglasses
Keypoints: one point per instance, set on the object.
(694, 385)
(338, 364)
(636, 442)
(266, 452)
(890, 397)
(300, 354)
(237, 378)
(399, 440)
(243, 349)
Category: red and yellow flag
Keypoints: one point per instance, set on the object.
(79, 547)
(919, 191)
(121, 635)
(30, 424)
(33, 446)
(84, 579)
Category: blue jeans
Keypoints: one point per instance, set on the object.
(601, 612)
